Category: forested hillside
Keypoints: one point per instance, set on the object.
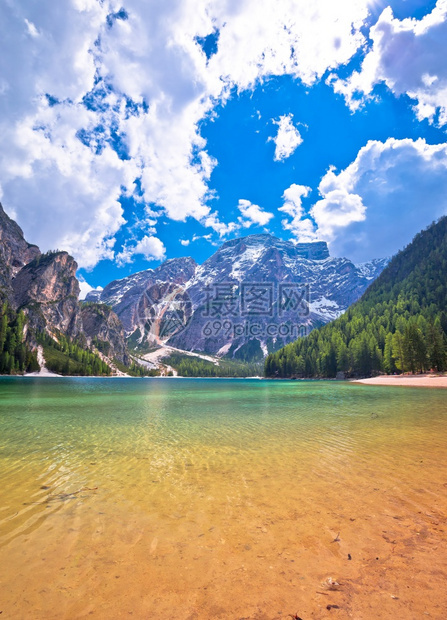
(399, 324)
(188, 366)
(15, 355)
(64, 357)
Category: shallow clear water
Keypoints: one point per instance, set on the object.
(220, 498)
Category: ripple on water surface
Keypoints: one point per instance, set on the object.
(129, 472)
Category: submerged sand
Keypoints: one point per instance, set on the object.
(433, 381)
(221, 500)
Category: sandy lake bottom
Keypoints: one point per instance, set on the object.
(200, 499)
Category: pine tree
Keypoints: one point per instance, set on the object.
(436, 348)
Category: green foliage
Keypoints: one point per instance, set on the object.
(250, 351)
(399, 325)
(99, 307)
(102, 345)
(137, 370)
(189, 366)
(68, 358)
(15, 356)
(44, 259)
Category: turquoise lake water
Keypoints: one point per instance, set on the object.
(151, 475)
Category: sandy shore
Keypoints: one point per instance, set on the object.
(431, 381)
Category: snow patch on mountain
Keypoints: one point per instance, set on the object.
(327, 308)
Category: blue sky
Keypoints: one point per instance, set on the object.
(135, 132)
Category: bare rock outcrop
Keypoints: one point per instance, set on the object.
(15, 253)
(47, 290)
(105, 331)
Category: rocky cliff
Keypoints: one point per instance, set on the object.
(134, 297)
(104, 330)
(45, 288)
(15, 253)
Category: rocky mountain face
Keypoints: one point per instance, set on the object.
(133, 297)
(105, 331)
(15, 253)
(45, 287)
(47, 290)
(250, 297)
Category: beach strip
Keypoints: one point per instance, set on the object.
(427, 381)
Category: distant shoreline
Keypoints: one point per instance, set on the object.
(426, 381)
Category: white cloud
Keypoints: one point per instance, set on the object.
(208, 237)
(376, 205)
(32, 30)
(259, 38)
(252, 214)
(293, 204)
(288, 138)
(62, 193)
(185, 242)
(150, 247)
(302, 228)
(222, 229)
(409, 57)
(86, 288)
(336, 211)
(143, 75)
(125, 257)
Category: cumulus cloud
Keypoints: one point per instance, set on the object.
(62, 192)
(152, 248)
(287, 139)
(97, 95)
(293, 200)
(86, 288)
(252, 214)
(302, 228)
(222, 229)
(408, 56)
(376, 205)
(259, 38)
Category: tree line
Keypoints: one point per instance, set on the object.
(188, 366)
(15, 355)
(65, 357)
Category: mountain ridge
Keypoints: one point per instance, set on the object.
(334, 283)
(250, 297)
